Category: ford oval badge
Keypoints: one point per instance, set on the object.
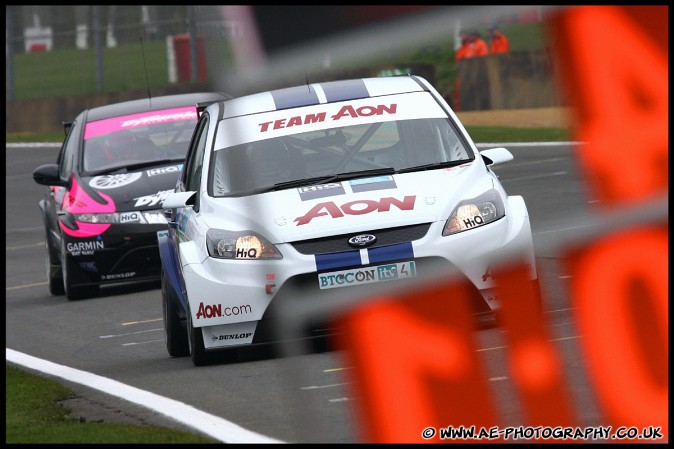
(362, 240)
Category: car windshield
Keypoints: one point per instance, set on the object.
(318, 156)
(136, 141)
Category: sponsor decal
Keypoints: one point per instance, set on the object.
(74, 202)
(163, 170)
(84, 248)
(108, 277)
(89, 266)
(152, 200)
(315, 117)
(345, 111)
(237, 333)
(176, 116)
(154, 217)
(104, 182)
(321, 191)
(362, 240)
(216, 310)
(358, 207)
(183, 217)
(231, 336)
(246, 253)
(376, 183)
(114, 124)
(131, 217)
(367, 275)
(270, 286)
(476, 220)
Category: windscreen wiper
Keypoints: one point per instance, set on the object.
(332, 178)
(433, 166)
(324, 179)
(153, 163)
(128, 168)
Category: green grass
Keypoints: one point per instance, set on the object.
(56, 136)
(34, 415)
(70, 72)
(504, 134)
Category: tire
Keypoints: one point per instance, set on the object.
(195, 339)
(174, 331)
(54, 273)
(71, 292)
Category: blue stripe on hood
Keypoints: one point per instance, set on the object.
(345, 90)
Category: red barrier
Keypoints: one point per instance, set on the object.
(183, 54)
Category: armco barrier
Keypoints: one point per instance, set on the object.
(412, 356)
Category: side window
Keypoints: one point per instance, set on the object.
(193, 158)
(66, 158)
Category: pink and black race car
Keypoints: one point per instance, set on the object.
(102, 206)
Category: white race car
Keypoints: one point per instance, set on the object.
(326, 186)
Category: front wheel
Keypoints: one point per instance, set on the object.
(74, 293)
(175, 333)
(54, 272)
(195, 339)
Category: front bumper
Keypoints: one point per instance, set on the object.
(223, 293)
(121, 254)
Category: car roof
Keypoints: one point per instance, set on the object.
(321, 93)
(152, 104)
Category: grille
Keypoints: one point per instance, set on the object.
(305, 287)
(336, 243)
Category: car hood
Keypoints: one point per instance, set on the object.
(123, 192)
(350, 206)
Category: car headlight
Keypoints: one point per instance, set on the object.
(247, 245)
(470, 214)
(144, 217)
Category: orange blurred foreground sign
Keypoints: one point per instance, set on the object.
(414, 358)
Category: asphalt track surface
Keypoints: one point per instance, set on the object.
(111, 349)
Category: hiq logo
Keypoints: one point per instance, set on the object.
(163, 170)
(477, 220)
(246, 253)
(129, 217)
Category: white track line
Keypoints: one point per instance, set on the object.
(211, 425)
